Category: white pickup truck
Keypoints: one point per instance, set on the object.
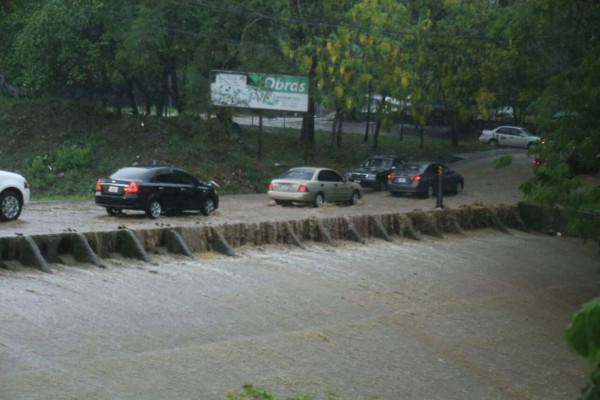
(512, 136)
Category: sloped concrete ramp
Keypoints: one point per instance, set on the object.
(93, 247)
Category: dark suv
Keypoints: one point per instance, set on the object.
(155, 189)
(374, 171)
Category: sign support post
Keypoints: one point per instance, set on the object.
(439, 198)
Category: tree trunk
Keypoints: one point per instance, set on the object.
(175, 89)
(376, 134)
(164, 96)
(131, 95)
(380, 109)
(307, 134)
(339, 132)
(260, 129)
(421, 136)
(366, 138)
(402, 117)
(333, 130)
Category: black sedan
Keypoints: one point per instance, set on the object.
(422, 178)
(155, 189)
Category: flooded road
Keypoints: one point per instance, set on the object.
(483, 184)
(479, 315)
(474, 316)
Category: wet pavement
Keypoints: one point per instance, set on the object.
(475, 316)
(483, 184)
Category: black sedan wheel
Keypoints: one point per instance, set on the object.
(381, 185)
(113, 211)
(10, 206)
(428, 192)
(208, 207)
(153, 209)
(458, 187)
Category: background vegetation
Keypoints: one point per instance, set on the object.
(87, 85)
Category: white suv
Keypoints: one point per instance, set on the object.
(14, 194)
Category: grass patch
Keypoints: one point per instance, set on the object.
(503, 161)
(63, 148)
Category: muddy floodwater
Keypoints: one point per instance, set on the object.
(474, 316)
(477, 315)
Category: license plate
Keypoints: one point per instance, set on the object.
(113, 189)
(357, 180)
(284, 187)
(401, 180)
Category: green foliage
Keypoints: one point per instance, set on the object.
(592, 390)
(67, 152)
(503, 161)
(65, 171)
(583, 336)
(583, 332)
(250, 392)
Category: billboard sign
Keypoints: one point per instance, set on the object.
(259, 91)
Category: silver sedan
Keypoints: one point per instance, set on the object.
(313, 185)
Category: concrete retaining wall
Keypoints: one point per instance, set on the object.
(93, 247)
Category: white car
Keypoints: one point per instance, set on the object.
(512, 136)
(14, 194)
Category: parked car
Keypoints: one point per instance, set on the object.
(421, 178)
(512, 136)
(373, 171)
(315, 186)
(14, 194)
(154, 190)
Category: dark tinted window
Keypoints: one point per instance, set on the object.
(132, 174)
(184, 178)
(515, 132)
(164, 176)
(432, 169)
(398, 162)
(330, 176)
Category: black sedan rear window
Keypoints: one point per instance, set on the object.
(132, 174)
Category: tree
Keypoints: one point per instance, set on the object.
(518, 64)
(452, 50)
(338, 79)
(381, 37)
(568, 119)
(308, 24)
(62, 48)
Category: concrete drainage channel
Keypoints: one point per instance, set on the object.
(41, 251)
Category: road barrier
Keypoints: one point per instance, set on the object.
(92, 248)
